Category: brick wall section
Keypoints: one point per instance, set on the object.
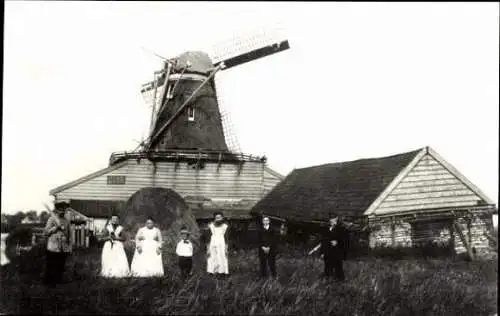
(408, 232)
(475, 230)
(386, 233)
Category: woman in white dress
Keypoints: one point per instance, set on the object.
(5, 259)
(217, 262)
(147, 261)
(113, 259)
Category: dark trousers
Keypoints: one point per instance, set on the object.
(334, 263)
(186, 265)
(267, 260)
(54, 269)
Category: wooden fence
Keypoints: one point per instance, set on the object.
(80, 233)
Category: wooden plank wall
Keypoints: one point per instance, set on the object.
(428, 185)
(226, 182)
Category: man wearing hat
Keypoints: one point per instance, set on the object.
(333, 246)
(185, 252)
(58, 243)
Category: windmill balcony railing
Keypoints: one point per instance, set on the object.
(185, 154)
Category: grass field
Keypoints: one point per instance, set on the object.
(373, 287)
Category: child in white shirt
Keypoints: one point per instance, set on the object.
(184, 251)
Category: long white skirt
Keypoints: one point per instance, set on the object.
(114, 260)
(148, 263)
(217, 260)
(3, 256)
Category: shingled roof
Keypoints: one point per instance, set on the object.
(345, 188)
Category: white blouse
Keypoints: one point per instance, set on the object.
(184, 249)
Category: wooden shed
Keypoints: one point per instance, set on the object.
(404, 200)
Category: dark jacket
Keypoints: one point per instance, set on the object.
(339, 234)
(268, 238)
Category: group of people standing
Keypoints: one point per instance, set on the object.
(332, 246)
(147, 259)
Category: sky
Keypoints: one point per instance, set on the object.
(360, 80)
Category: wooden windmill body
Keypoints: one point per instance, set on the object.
(199, 124)
(187, 148)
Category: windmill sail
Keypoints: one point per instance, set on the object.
(230, 132)
(245, 49)
(151, 93)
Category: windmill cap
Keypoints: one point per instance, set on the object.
(195, 60)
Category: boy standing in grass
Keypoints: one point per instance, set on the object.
(185, 252)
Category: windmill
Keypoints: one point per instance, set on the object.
(189, 148)
(183, 96)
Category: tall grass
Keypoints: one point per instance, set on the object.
(373, 287)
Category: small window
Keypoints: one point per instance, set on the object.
(116, 180)
(170, 90)
(191, 113)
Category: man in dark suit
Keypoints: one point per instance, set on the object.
(267, 248)
(333, 246)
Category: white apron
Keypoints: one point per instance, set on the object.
(149, 262)
(4, 258)
(113, 259)
(217, 259)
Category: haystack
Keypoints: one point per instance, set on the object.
(169, 211)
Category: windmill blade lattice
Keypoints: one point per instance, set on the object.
(148, 94)
(151, 95)
(227, 125)
(230, 133)
(245, 43)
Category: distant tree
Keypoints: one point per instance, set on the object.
(5, 224)
(14, 220)
(32, 216)
(44, 216)
(4, 218)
